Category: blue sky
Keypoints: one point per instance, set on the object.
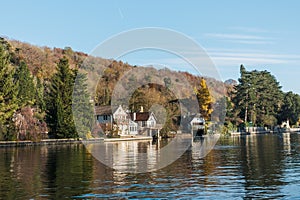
(263, 35)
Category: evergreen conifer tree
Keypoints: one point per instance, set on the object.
(59, 115)
(26, 87)
(8, 92)
(82, 108)
(257, 97)
(39, 95)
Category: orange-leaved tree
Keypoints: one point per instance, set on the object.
(204, 99)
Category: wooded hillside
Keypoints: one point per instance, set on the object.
(42, 80)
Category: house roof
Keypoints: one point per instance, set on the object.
(106, 110)
(141, 116)
(103, 110)
(190, 118)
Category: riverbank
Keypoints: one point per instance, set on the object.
(277, 131)
(127, 139)
(42, 142)
(68, 141)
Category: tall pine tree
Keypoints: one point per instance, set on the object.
(59, 115)
(26, 88)
(82, 108)
(290, 109)
(257, 97)
(39, 95)
(243, 95)
(8, 92)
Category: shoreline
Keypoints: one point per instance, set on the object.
(68, 141)
(290, 130)
(127, 139)
(39, 143)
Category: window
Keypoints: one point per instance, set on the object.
(105, 117)
(152, 123)
(132, 128)
(197, 123)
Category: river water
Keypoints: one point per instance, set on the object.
(260, 167)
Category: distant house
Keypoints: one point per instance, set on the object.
(197, 125)
(144, 120)
(192, 123)
(115, 119)
(126, 123)
(120, 116)
(133, 128)
(104, 114)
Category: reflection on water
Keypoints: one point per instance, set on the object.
(264, 166)
(148, 156)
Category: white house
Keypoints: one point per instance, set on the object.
(110, 118)
(127, 124)
(133, 128)
(120, 116)
(197, 125)
(144, 120)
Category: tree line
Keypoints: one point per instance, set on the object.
(258, 100)
(38, 98)
(32, 108)
(41, 90)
